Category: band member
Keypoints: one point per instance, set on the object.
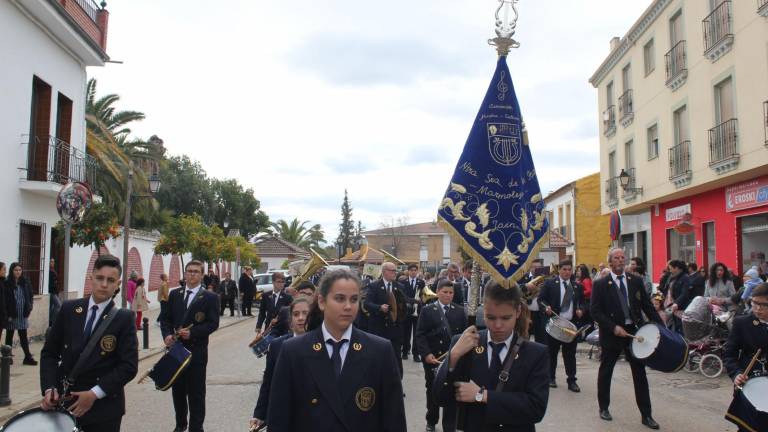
(538, 322)
(377, 302)
(461, 292)
(749, 333)
(412, 288)
(271, 303)
(298, 310)
(98, 387)
(337, 378)
(438, 323)
(618, 303)
(247, 290)
(561, 295)
(192, 314)
(499, 375)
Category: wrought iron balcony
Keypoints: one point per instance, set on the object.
(612, 192)
(630, 190)
(762, 7)
(680, 164)
(718, 31)
(609, 121)
(626, 110)
(723, 146)
(675, 61)
(52, 160)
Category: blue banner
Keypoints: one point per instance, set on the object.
(493, 204)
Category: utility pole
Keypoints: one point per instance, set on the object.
(126, 234)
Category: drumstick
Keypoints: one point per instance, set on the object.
(751, 365)
(638, 338)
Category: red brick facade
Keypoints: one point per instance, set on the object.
(134, 263)
(174, 273)
(91, 262)
(95, 28)
(155, 270)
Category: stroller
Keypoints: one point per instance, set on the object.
(705, 327)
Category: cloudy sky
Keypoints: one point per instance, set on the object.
(301, 100)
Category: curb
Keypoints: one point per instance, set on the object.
(143, 355)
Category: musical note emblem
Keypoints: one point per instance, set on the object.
(502, 87)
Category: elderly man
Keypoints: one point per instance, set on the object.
(461, 290)
(377, 303)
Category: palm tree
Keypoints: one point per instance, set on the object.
(103, 111)
(297, 233)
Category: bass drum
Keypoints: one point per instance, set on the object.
(37, 420)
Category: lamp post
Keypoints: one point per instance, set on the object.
(154, 186)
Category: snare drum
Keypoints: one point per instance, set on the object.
(170, 366)
(756, 392)
(261, 348)
(37, 420)
(661, 349)
(748, 408)
(561, 329)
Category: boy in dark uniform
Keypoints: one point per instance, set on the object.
(336, 377)
(97, 391)
(749, 333)
(501, 378)
(192, 314)
(438, 322)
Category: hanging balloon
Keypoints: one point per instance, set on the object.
(73, 201)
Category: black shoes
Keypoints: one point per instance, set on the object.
(572, 386)
(552, 384)
(650, 422)
(180, 429)
(606, 415)
(416, 358)
(405, 356)
(29, 361)
(430, 428)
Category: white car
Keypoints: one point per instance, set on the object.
(263, 282)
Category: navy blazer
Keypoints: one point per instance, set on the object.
(112, 364)
(379, 323)
(273, 352)
(747, 335)
(607, 311)
(202, 315)
(268, 310)
(434, 332)
(523, 400)
(305, 396)
(550, 294)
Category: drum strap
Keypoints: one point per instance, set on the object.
(511, 357)
(85, 354)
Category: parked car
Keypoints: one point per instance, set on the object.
(263, 282)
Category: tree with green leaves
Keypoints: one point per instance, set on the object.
(347, 225)
(97, 226)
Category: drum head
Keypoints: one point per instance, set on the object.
(651, 337)
(37, 420)
(756, 391)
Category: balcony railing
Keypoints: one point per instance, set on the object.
(609, 120)
(631, 189)
(723, 145)
(675, 61)
(611, 191)
(626, 110)
(680, 160)
(765, 115)
(50, 159)
(762, 7)
(718, 36)
(91, 18)
(88, 6)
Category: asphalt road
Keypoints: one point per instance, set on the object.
(681, 401)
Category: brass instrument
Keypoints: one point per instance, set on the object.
(537, 282)
(315, 263)
(388, 257)
(427, 295)
(392, 302)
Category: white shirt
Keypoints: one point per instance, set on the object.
(534, 306)
(103, 305)
(504, 350)
(344, 348)
(191, 296)
(568, 313)
(442, 307)
(415, 295)
(277, 296)
(615, 277)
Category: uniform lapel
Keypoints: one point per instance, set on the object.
(480, 360)
(613, 291)
(78, 322)
(353, 370)
(322, 372)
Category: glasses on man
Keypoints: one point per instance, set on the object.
(194, 272)
(759, 305)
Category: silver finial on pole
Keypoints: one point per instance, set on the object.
(506, 23)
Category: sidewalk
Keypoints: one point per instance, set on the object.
(25, 380)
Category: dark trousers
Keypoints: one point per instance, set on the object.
(409, 327)
(23, 340)
(227, 302)
(247, 304)
(605, 373)
(189, 396)
(433, 409)
(569, 358)
(397, 346)
(105, 426)
(539, 324)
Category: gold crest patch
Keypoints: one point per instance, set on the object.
(357, 346)
(317, 347)
(365, 398)
(108, 343)
(200, 317)
(756, 323)
(480, 349)
(79, 309)
(637, 295)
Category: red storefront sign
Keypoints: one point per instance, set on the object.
(753, 193)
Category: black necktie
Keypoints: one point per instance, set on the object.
(389, 287)
(89, 323)
(186, 299)
(624, 297)
(336, 356)
(445, 308)
(566, 303)
(495, 368)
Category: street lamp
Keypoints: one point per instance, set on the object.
(154, 186)
(624, 179)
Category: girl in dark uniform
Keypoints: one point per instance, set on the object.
(336, 377)
(299, 310)
(497, 395)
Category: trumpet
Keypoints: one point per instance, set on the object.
(535, 288)
(427, 295)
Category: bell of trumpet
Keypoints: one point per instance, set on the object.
(315, 263)
(427, 295)
(388, 257)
